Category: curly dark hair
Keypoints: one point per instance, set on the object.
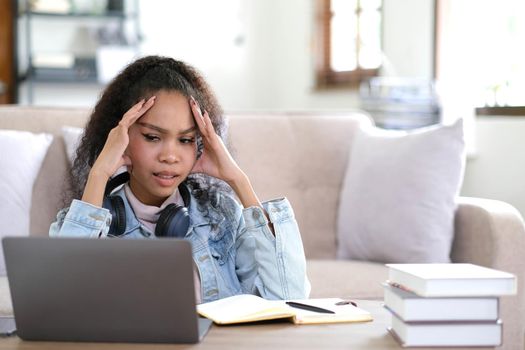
(141, 79)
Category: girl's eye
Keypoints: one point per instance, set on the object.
(151, 138)
(187, 140)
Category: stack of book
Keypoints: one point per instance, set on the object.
(446, 304)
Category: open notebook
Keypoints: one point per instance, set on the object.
(250, 308)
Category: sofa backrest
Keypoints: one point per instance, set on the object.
(303, 157)
(298, 155)
(48, 187)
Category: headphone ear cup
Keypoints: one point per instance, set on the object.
(116, 208)
(174, 221)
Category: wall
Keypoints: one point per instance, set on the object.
(497, 169)
(408, 38)
(258, 55)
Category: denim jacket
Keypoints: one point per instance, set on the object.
(233, 249)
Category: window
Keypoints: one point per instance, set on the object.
(485, 57)
(349, 41)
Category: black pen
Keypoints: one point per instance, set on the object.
(309, 307)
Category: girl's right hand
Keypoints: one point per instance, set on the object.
(113, 156)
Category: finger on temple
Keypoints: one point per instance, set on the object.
(144, 108)
(195, 106)
(207, 119)
(138, 104)
(197, 115)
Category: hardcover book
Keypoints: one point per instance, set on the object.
(447, 333)
(410, 307)
(442, 280)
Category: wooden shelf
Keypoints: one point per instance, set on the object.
(107, 14)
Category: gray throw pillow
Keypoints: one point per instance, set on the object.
(399, 195)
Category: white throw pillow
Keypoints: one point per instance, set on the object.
(72, 136)
(399, 195)
(22, 156)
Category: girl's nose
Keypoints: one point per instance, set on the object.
(169, 154)
(168, 158)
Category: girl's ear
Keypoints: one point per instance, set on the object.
(127, 161)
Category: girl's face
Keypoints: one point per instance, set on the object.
(162, 148)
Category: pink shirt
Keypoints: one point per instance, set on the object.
(148, 216)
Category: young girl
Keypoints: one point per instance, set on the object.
(160, 120)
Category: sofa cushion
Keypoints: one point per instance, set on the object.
(6, 307)
(49, 186)
(399, 195)
(22, 156)
(71, 136)
(346, 279)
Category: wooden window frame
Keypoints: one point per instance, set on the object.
(504, 111)
(325, 76)
(7, 51)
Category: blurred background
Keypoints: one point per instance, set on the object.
(409, 63)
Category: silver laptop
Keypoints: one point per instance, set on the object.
(103, 290)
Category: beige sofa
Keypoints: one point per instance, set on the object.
(304, 157)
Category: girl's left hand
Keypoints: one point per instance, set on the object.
(215, 160)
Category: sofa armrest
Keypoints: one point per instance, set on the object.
(488, 232)
(492, 233)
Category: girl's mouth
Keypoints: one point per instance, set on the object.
(165, 175)
(165, 179)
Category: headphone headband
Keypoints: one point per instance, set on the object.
(115, 182)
